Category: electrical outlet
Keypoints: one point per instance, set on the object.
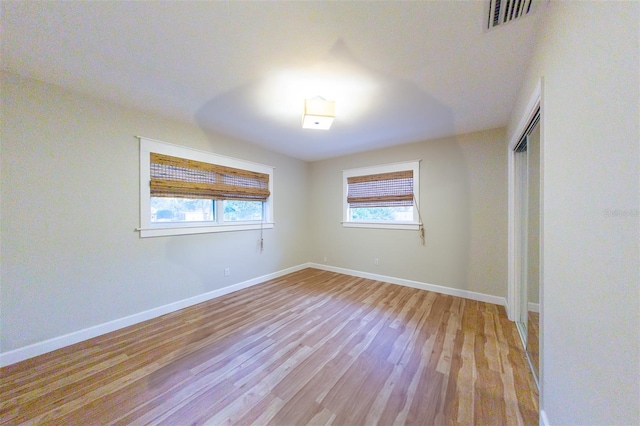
(227, 272)
(376, 261)
(324, 259)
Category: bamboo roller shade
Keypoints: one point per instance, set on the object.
(381, 190)
(184, 178)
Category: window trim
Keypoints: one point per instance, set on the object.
(413, 225)
(148, 229)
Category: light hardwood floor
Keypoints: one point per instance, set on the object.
(312, 347)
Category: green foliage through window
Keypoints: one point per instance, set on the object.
(235, 210)
(181, 210)
(383, 214)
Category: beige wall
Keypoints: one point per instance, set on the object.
(463, 198)
(70, 258)
(588, 54)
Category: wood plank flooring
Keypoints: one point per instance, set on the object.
(312, 347)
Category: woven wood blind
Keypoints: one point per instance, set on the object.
(183, 178)
(381, 190)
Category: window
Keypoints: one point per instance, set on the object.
(382, 196)
(186, 191)
(174, 209)
(237, 210)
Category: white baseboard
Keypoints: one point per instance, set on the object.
(481, 297)
(534, 307)
(544, 421)
(55, 343)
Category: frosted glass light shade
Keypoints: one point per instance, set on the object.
(318, 114)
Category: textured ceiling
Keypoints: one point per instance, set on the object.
(399, 71)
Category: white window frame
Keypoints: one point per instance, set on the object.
(383, 168)
(149, 229)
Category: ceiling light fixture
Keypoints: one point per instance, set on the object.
(318, 113)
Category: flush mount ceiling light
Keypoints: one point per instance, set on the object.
(318, 113)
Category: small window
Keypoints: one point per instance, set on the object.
(382, 196)
(186, 191)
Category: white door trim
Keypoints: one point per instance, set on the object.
(513, 293)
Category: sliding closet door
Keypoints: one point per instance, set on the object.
(521, 246)
(533, 245)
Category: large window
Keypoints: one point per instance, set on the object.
(186, 191)
(382, 196)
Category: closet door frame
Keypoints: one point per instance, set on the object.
(517, 216)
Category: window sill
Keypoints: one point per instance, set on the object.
(194, 228)
(409, 226)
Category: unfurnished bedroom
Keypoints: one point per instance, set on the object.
(346, 212)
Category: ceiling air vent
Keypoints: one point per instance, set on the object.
(503, 11)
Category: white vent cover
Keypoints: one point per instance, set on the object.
(503, 11)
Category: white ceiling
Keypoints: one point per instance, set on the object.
(399, 71)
